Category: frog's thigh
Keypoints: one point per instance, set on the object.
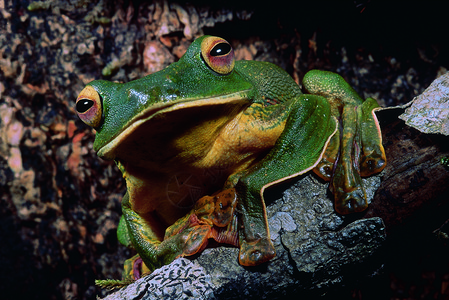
(307, 130)
(332, 86)
(373, 158)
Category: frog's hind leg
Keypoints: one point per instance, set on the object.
(212, 217)
(361, 154)
(359, 151)
(373, 159)
(346, 182)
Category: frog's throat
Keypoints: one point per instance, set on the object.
(108, 150)
(307, 169)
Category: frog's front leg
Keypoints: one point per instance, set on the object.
(147, 242)
(211, 217)
(307, 131)
(358, 150)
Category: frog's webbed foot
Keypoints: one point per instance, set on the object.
(212, 217)
(215, 217)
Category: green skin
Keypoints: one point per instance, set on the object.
(174, 121)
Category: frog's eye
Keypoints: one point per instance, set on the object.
(88, 106)
(218, 54)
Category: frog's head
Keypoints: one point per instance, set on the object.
(204, 76)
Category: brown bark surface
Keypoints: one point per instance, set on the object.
(414, 193)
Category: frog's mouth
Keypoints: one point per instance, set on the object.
(170, 124)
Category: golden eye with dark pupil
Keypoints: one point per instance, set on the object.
(89, 107)
(218, 55)
(84, 105)
(220, 49)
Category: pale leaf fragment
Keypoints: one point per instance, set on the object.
(429, 112)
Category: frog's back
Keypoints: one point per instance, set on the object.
(272, 84)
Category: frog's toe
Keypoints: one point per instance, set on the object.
(135, 268)
(324, 169)
(372, 164)
(195, 239)
(257, 252)
(350, 202)
(225, 204)
(217, 209)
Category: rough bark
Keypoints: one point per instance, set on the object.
(414, 190)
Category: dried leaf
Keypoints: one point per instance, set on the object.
(429, 112)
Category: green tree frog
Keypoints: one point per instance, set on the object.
(200, 141)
